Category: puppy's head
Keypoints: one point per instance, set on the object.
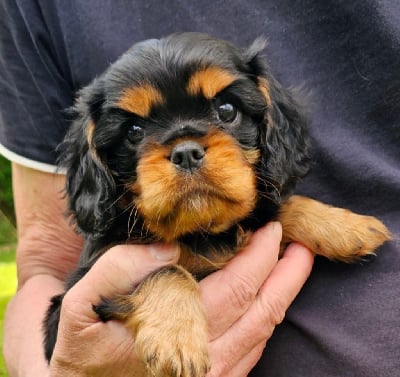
(183, 135)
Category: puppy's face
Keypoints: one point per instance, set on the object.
(180, 136)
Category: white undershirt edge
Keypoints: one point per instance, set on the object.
(14, 157)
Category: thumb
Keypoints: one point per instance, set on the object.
(117, 272)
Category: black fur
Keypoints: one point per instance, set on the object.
(96, 173)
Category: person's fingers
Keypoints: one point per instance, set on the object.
(225, 366)
(227, 294)
(286, 279)
(269, 307)
(118, 271)
(244, 366)
(239, 368)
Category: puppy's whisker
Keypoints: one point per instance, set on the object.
(127, 208)
(266, 196)
(134, 212)
(268, 183)
(117, 200)
(147, 232)
(144, 231)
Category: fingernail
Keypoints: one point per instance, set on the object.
(164, 252)
(275, 226)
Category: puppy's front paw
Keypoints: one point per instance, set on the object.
(335, 233)
(167, 322)
(175, 349)
(352, 236)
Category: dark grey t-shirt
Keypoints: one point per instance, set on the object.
(345, 54)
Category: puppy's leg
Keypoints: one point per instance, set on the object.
(167, 322)
(332, 232)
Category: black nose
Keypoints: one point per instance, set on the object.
(187, 156)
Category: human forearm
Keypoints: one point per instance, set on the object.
(47, 244)
(47, 251)
(23, 350)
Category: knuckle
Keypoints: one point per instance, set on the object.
(72, 309)
(242, 291)
(273, 308)
(112, 260)
(258, 352)
(116, 265)
(222, 366)
(67, 302)
(230, 362)
(216, 371)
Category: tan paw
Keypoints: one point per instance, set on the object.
(166, 319)
(335, 233)
(178, 351)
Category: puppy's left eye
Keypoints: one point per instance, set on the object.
(227, 112)
(135, 133)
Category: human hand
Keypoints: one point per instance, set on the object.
(252, 292)
(247, 299)
(85, 345)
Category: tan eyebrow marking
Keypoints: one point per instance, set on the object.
(140, 99)
(210, 81)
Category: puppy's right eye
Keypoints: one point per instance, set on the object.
(227, 113)
(135, 134)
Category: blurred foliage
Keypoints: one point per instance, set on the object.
(6, 198)
(8, 285)
(8, 236)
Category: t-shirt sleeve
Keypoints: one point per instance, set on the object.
(35, 89)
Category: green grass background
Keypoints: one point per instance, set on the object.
(8, 275)
(8, 279)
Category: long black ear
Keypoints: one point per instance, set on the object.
(90, 187)
(284, 138)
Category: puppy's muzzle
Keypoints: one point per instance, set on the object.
(194, 184)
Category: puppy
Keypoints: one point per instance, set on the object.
(191, 140)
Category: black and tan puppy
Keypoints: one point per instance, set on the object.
(189, 139)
